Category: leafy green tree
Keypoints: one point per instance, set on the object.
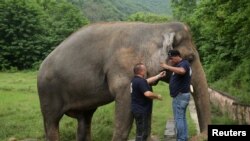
(147, 17)
(221, 33)
(63, 19)
(21, 27)
(182, 9)
(31, 29)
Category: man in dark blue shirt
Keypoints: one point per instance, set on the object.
(179, 86)
(141, 100)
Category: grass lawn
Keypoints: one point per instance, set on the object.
(20, 115)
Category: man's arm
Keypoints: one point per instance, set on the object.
(178, 70)
(151, 95)
(153, 79)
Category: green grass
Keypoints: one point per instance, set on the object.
(20, 115)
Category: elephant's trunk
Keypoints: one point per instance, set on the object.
(201, 96)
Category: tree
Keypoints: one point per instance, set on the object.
(31, 29)
(22, 24)
(182, 9)
(221, 33)
(63, 19)
(147, 17)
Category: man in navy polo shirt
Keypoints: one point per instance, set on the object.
(179, 90)
(141, 104)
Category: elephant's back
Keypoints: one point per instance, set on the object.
(94, 48)
(97, 42)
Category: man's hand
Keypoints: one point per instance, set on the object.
(159, 97)
(164, 65)
(161, 74)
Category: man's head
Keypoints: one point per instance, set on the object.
(174, 56)
(173, 53)
(140, 69)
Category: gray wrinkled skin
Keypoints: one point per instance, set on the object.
(94, 67)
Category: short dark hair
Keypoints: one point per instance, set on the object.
(137, 68)
(172, 53)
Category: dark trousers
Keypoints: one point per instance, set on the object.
(143, 126)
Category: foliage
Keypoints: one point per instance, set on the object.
(118, 10)
(239, 85)
(31, 29)
(159, 7)
(182, 9)
(22, 28)
(221, 33)
(63, 19)
(147, 17)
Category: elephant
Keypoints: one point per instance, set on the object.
(94, 66)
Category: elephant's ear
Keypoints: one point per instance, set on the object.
(168, 39)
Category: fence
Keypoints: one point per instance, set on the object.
(227, 104)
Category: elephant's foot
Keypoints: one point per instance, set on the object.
(200, 137)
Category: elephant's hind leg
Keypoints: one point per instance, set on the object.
(52, 128)
(84, 126)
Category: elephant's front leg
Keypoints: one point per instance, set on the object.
(123, 115)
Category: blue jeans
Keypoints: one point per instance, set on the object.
(143, 126)
(179, 104)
